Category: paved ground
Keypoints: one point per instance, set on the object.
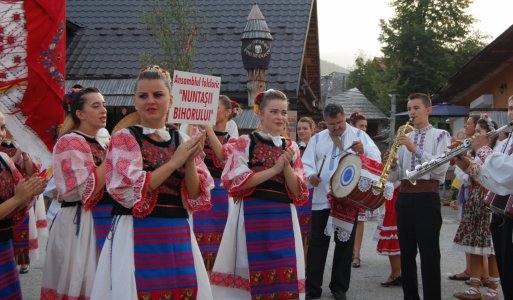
(365, 280)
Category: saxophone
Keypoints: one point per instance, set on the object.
(380, 185)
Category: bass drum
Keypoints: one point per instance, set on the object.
(353, 180)
(346, 176)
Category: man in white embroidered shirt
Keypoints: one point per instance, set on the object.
(419, 217)
(320, 160)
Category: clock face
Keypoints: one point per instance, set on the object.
(258, 49)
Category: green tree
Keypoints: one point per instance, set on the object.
(425, 42)
(371, 78)
(173, 25)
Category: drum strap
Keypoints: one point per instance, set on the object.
(338, 143)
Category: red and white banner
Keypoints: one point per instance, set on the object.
(32, 72)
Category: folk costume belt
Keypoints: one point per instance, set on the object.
(78, 214)
(422, 186)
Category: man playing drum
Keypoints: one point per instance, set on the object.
(321, 159)
(418, 206)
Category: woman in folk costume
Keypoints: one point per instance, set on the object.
(469, 129)
(261, 254)
(209, 226)
(79, 171)
(157, 178)
(15, 199)
(305, 130)
(25, 242)
(473, 235)
(388, 241)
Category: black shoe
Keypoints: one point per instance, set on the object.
(311, 296)
(24, 269)
(392, 282)
(339, 295)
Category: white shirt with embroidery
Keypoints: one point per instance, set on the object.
(496, 173)
(321, 145)
(431, 143)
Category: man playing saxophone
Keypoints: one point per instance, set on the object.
(496, 174)
(418, 206)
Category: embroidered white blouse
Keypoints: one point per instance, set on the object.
(321, 146)
(431, 143)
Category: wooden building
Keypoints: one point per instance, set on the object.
(106, 39)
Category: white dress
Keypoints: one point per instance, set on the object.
(71, 254)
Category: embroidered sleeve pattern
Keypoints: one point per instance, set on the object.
(475, 167)
(236, 171)
(125, 178)
(297, 166)
(74, 169)
(19, 215)
(206, 184)
(483, 152)
(90, 187)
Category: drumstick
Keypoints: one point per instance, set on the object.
(322, 164)
(351, 146)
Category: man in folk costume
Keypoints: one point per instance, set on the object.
(321, 159)
(418, 206)
(495, 174)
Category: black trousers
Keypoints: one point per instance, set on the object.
(318, 252)
(418, 222)
(501, 228)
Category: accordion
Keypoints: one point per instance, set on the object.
(502, 205)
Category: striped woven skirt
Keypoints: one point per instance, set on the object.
(9, 282)
(261, 255)
(20, 241)
(102, 221)
(209, 226)
(304, 213)
(164, 262)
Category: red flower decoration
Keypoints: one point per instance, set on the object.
(17, 59)
(16, 17)
(10, 39)
(259, 97)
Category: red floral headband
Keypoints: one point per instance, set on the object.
(156, 68)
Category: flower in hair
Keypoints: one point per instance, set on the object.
(258, 100)
(488, 120)
(234, 103)
(69, 98)
(157, 68)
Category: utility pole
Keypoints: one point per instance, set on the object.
(392, 119)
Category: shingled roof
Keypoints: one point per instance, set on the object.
(111, 37)
(354, 101)
(497, 55)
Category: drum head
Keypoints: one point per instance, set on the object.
(346, 176)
